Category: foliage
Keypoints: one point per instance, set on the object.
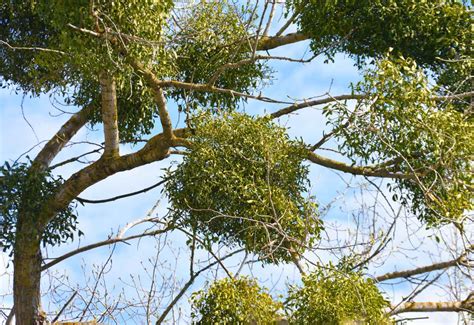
(456, 77)
(24, 190)
(402, 123)
(243, 183)
(74, 73)
(211, 35)
(332, 296)
(422, 30)
(234, 301)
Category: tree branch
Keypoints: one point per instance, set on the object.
(156, 149)
(39, 49)
(82, 200)
(119, 238)
(454, 306)
(461, 260)
(234, 65)
(270, 42)
(212, 89)
(355, 170)
(62, 137)
(330, 99)
(189, 283)
(73, 159)
(298, 106)
(109, 115)
(160, 100)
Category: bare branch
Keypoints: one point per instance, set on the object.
(327, 100)
(118, 197)
(119, 238)
(64, 307)
(454, 306)
(240, 63)
(270, 19)
(288, 23)
(461, 260)
(212, 89)
(39, 49)
(190, 282)
(330, 99)
(73, 159)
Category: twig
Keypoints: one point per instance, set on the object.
(82, 200)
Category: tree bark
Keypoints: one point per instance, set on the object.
(423, 269)
(27, 272)
(59, 140)
(109, 115)
(452, 306)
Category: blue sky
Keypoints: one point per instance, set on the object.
(98, 221)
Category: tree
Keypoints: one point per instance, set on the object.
(242, 182)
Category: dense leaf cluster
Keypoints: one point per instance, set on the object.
(243, 183)
(207, 37)
(234, 301)
(74, 73)
(327, 296)
(212, 35)
(24, 191)
(422, 30)
(402, 125)
(332, 297)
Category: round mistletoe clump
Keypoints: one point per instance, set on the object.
(243, 182)
(234, 301)
(336, 297)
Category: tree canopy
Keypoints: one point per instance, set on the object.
(242, 182)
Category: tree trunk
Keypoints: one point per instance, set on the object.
(27, 273)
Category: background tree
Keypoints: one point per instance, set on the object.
(242, 182)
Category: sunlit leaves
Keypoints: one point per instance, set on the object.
(404, 127)
(333, 297)
(423, 30)
(211, 35)
(234, 301)
(74, 74)
(243, 182)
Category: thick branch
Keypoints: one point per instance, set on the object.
(62, 137)
(267, 43)
(157, 148)
(420, 270)
(454, 306)
(468, 94)
(109, 115)
(355, 170)
(160, 100)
